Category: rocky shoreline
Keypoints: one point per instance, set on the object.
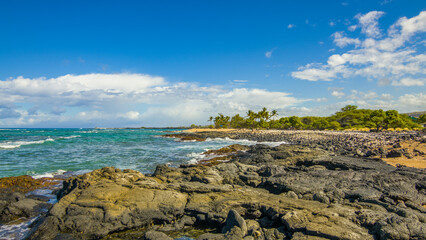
(324, 185)
(357, 144)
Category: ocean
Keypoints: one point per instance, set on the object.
(49, 152)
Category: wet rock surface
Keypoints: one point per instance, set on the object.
(283, 192)
(18, 199)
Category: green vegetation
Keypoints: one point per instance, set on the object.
(421, 119)
(349, 117)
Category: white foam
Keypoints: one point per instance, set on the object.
(16, 231)
(17, 144)
(50, 174)
(196, 155)
(185, 147)
(193, 161)
(70, 137)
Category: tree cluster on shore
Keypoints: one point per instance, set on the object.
(349, 117)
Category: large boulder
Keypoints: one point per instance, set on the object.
(109, 200)
(234, 219)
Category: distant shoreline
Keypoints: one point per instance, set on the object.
(394, 147)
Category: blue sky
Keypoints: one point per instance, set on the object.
(168, 63)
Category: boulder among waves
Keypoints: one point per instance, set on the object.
(284, 192)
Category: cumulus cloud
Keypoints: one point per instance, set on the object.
(369, 23)
(337, 94)
(393, 57)
(109, 83)
(133, 115)
(342, 41)
(412, 101)
(409, 82)
(291, 26)
(124, 99)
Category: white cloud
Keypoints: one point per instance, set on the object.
(133, 115)
(320, 73)
(321, 100)
(335, 60)
(369, 23)
(362, 96)
(237, 100)
(124, 100)
(352, 28)
(337, 94)
(410, 102)
(388, 59)
(241, 81)
(386, 96)
(109, 84)
(268, 54)
(341, 41)
(291, 26)
(409, 82)
(241, 99)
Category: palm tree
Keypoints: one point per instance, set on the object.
(274, 113)
(221, 121)
(251, 116)
(264, 114)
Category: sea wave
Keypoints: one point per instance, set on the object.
(17, 144)
(70, 137)
(50, 174)
(196, 157)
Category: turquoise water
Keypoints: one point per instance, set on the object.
(44, 152)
